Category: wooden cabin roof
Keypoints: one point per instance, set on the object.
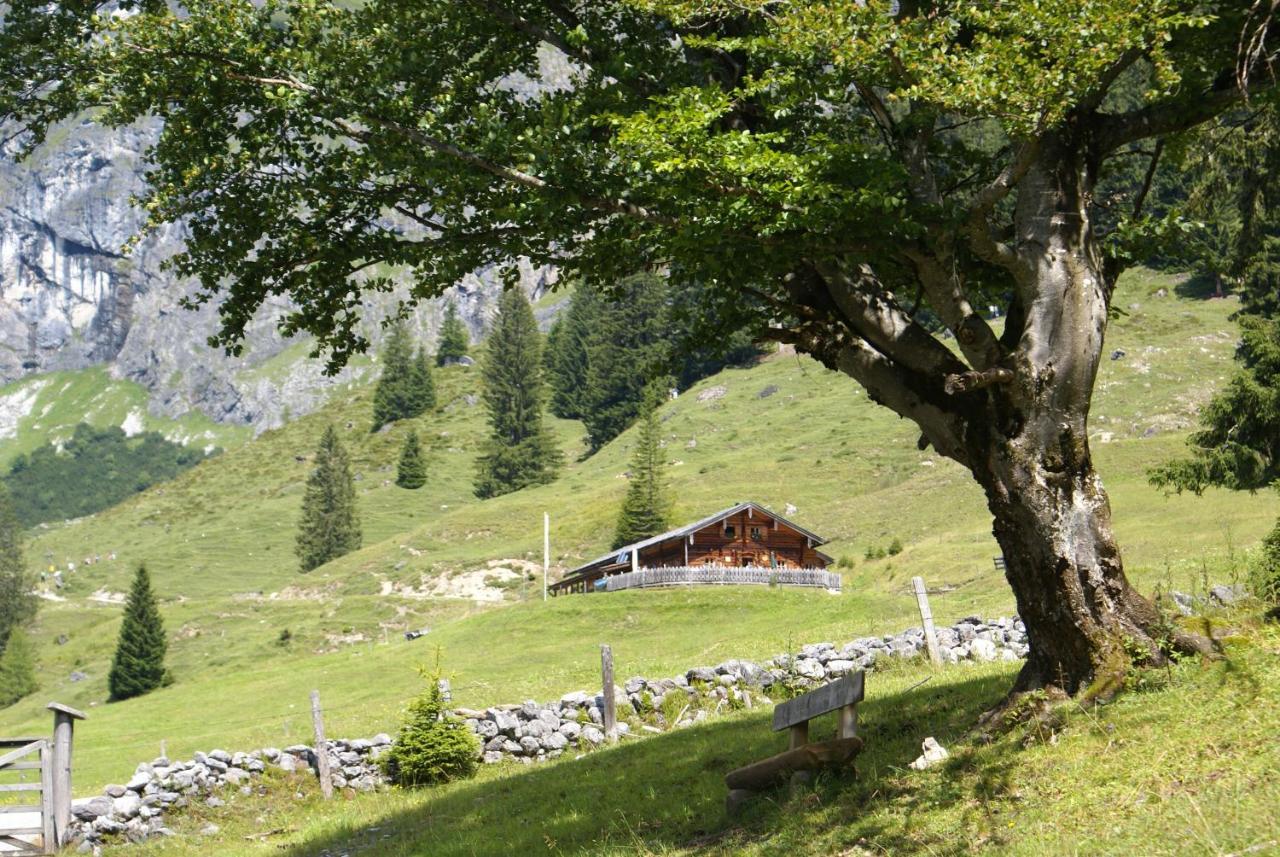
(622, 555)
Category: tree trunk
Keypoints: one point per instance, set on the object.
(1029, 450)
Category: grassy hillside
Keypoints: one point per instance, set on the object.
(46, 408)
(219, 539)
(1141, 776)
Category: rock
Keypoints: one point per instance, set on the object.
(491, 757)
(214, 802)
(932, 755)
(1227, 595)
(592, 736)
(712, 393)
(126, 806)
(1182, 602)
(77, 676)
(114, 791)
(838, 668)
(1117, 354)
(236, 776)
(577, 699)
(107, 824)
(92, 808)
(570, 729)
(983, 650)
(767, 391)
(210, 829)
(555, 741)
(530, 745)
(289, 763)
(139, 781)
(703, 674)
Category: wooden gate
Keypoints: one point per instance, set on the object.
(26, 771)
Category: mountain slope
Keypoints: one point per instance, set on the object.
(219, 540)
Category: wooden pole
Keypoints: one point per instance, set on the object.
(546, 552)
(608, 708)
(926, 619)
(48, 835)
(847, 722)
(64, 718)
(322, 748)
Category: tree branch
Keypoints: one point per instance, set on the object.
(1170, 117)
(978, 221)
(875, 315)
(887, 383)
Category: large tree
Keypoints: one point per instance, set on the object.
(330, 526)
(857, 177)
(519, 451)
(646, 509)
(454, 338)
(138, 664)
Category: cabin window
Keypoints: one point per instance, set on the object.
(730, 531)
(757, 533)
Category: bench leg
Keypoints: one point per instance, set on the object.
(848, 722)
(799, 735)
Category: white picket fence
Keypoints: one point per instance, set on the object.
(704, 575)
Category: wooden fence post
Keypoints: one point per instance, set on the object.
(322, 747)
(926, 619)
(608, 708)
(64, 718)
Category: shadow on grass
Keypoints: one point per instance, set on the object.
(668, 792)
(1198, 287)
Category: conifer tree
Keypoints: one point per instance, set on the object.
(626, 350)
(411, 472)
(519, 451)
(17, 668)
(422, 397)
(396, 397)
(138, 665)
(566, 362)
(329, 527)
(453, 337)
(646, 509)
(17, 598)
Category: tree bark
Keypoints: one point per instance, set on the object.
(1029, 450)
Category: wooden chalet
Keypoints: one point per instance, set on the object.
(746, 543)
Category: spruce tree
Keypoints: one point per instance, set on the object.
(627, 348)
(17, 599)
(329, 527)
(411, 472)
(422, 397)
(453, 337)
(17, 668)
(396, 397)
(566, 362)
(646, 509)
(138, 665)
(519, 451)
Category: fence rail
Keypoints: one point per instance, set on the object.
(722, 576)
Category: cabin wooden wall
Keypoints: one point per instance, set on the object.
(712, 546)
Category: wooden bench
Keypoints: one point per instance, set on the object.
(801, 758)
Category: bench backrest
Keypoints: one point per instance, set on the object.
(839, 693)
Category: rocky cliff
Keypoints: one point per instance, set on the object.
(70, 297)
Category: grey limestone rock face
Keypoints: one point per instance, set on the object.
(72, 296)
